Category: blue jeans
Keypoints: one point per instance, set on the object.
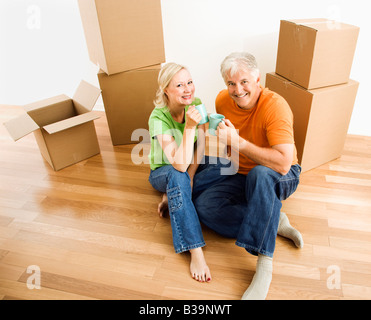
(185, 224)
(247, 207)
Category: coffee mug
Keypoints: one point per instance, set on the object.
(214, 120)
(202, 110)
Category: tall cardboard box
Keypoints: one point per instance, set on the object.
(128, 101)
(63, 127)
(321, 118)
(317, 52)
(123, 35)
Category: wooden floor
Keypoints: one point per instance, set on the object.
(93, 231)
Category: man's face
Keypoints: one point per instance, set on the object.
(244, 88)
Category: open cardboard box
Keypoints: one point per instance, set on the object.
(316, 53)
(63, 127)
(321, 118)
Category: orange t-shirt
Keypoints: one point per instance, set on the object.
(267, 124)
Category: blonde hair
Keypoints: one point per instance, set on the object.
(167, 72)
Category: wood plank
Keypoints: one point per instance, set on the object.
(93, 230)
(18, 290)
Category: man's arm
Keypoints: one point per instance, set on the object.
(278, 157)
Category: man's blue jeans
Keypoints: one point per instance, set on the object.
(247, 207)
(185, 224)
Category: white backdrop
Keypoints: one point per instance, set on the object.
(43, 51)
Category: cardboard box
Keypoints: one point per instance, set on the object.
(63, 127)
(128, 101)
(123, 35)
(321, 118)
(316, 53)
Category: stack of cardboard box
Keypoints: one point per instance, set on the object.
(125, 39)
(313, 66)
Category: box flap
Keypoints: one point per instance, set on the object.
(308, 21)
(71, 122)
(46, 103)
(85, 97)
(322, 24)
(20, 126)
(51, 110)
(153, 67)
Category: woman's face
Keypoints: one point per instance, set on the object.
(180, 91)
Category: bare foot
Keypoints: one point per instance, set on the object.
(163, 208)
(199, 269)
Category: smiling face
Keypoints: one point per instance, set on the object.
(180, 91)
(244, 88)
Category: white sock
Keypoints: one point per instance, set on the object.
(286, 230)
(261, 281)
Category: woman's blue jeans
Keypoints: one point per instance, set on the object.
(247, 207)
(185, 224)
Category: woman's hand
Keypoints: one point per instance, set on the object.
(193, 117)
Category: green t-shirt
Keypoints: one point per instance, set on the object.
(161, 122)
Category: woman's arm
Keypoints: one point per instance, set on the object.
(181, 157)
(199, 151)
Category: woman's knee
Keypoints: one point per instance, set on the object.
(178, 187)
(178, 177)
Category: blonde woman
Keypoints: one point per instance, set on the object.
(173, 127)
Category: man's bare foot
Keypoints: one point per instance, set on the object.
(163, 208)
(199, 269)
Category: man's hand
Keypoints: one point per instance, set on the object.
(277, 157)
(227, 133)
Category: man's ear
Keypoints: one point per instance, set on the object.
(258, 78)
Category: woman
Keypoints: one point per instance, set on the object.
(172, 126)
(173, 129)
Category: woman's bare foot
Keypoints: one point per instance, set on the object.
(163, 208)
(199, 269)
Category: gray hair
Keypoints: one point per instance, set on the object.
(167, 72)
(237, 61)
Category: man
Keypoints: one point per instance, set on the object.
(259, 129)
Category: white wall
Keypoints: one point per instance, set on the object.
(43, 50)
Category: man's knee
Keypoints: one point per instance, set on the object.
(261, 173)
